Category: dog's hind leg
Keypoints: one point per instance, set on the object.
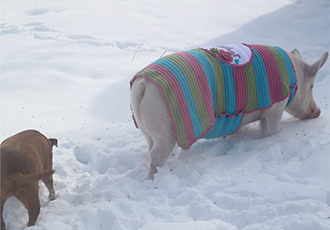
(29, 196)
(50, 186)
(33, 211)
(3, 225)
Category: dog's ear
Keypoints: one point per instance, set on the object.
(53, 141)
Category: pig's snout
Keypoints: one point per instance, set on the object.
(314, 113)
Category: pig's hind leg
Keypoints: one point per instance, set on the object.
(156, 125)
(159, 154)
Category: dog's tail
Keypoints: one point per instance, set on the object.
(20, 179)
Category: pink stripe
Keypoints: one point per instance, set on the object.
(240, 89)
(274, 77)
(202, 82)
(179, 97)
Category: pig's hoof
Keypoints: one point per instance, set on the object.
(150, 177)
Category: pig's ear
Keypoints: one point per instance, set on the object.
(296, 53)
(317, 65)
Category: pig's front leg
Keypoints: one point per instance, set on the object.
(271, 118)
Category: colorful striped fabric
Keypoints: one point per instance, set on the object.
(208, 96)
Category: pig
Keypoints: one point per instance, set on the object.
(26, 158)
(154, 116)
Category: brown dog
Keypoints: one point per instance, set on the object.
(26, 158)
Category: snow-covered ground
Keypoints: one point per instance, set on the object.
(65, 68)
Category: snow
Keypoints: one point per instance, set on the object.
(65, 68)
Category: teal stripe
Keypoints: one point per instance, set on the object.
(224, 126)
(260, 72)
(177, 72)
(293, 91)
(230, 95)
(209, 72)
(292, 75)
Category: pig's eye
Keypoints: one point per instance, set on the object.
(312, 86)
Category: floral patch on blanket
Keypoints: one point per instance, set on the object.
(233, 54)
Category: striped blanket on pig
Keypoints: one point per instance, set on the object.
(208, 90)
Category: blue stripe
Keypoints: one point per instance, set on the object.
(209, 72)
(289, 67)
(224, 126)
(230, 95)
(293, 91)
(260, 73)
(184, 84)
